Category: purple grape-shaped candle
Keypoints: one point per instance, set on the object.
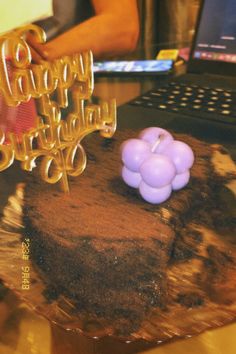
(131, 178)
(157, 170)
(181, 155)
(154, 195)
(134, 152)
(159, 138)
(156, 164)
(180, 180)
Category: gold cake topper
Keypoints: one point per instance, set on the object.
(55, 140)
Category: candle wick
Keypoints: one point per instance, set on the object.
(157, 143)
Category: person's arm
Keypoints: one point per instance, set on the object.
(112, 31)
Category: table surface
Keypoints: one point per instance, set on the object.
(22, 331)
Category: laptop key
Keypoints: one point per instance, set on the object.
(226, 112)
(156, 94)
(227, 94)
(162, 106)
(211, 109)
(150, 104)
(137, 103)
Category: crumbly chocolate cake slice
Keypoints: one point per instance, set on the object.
(102, 246)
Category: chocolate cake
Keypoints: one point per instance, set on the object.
(113, 255)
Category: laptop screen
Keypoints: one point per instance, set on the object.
(216, 34)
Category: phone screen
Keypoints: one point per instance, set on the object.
(135, 67)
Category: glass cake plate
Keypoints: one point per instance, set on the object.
(210, 305)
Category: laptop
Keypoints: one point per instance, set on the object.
(201, 102)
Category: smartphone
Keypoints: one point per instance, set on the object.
(134, 67)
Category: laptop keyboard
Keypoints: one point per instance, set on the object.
(202, 102)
